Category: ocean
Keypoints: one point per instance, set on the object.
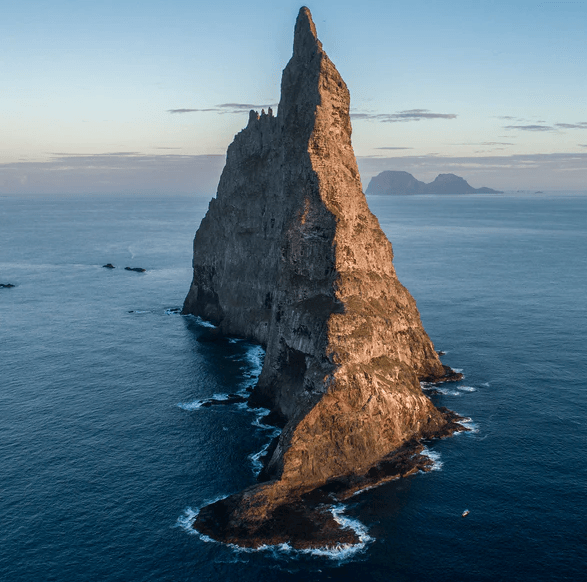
(106, 452)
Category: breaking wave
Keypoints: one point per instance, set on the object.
(186, 520)
(255, 356)
(447, 391)
(434, 456)
(472, 426)
(197, 404)
(173, 311)
(436, 389)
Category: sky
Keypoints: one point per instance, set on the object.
(127, 96)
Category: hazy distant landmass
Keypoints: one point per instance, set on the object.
(394, 182)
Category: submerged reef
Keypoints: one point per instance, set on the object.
(290, 256)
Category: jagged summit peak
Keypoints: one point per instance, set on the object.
(305, 35)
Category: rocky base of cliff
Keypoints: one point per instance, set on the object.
(303, 522)
(270, 514)
(449, 376)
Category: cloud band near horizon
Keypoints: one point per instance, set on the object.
(123, 172)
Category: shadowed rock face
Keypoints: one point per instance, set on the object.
(290, 255)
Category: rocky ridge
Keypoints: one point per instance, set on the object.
(397, 182)
(290, 256)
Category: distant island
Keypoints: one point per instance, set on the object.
(393, 182)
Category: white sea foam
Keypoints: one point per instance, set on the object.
(467, 388)
(197, 404)
(255, 459)
(186, 520)
(368, 488)
(255, 356)
(188, 517)
(204, 323)
(261, 413)
(343, 552)
(447, 391)
(434, 456)
(472, 426)
(438, 388)
(274, 431)
(190, 405)
(173, 311)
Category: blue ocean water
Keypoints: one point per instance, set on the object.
(105, 453)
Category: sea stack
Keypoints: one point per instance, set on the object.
(290, 256)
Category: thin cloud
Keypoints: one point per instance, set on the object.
(514, 162)
(579, 125)
(225, 108)
(485, 143)
(554, 127)
(530, 127)
(245, 106)
(189, 110)
(114, 172)
(402, 116)
(106, 154)
(169, 172)
(393, 148)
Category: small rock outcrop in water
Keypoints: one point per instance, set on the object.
(108, 266)
(394, 182)
(136, 269)
(6, 285)
(289, 255)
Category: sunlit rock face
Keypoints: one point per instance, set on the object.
(289, 255)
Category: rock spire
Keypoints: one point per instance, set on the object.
(290, 256)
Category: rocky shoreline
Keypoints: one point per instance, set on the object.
(305, 520)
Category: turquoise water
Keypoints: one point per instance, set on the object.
(105, 454)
